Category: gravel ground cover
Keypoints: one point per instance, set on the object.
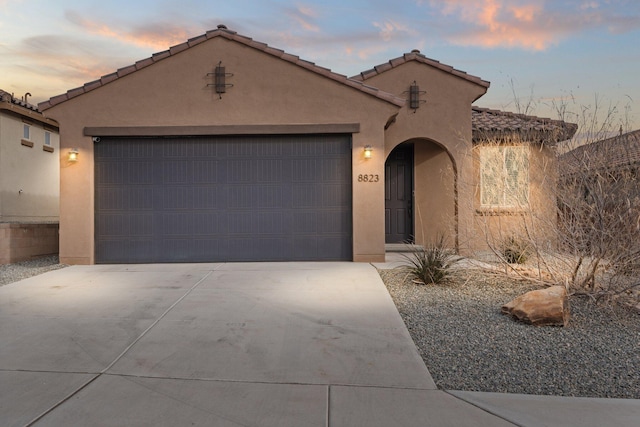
(467, 344)
(10, 273)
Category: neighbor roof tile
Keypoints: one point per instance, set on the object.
(615, 152)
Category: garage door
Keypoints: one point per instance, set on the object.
(206, 199)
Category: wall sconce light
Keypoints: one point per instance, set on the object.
(368, 151)
(220, 79)
(414, 96)
(73, 155)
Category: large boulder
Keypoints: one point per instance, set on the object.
(541, 307)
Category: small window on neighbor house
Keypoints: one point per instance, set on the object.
(26, 131)
(47, 138)
(504, 176)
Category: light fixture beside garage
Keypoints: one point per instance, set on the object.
(73, 155)
(220, 79)
(368, 151)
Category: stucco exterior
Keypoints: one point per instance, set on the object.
(29, 182)
(440, 129)
(271, 92)
(533, 222)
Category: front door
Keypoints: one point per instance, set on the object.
(398, 192)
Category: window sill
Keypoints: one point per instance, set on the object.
(26, 143)
(47, 148)
(501, 211)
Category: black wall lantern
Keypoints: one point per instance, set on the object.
(220, 79)
(414, 96)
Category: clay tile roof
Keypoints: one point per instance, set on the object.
(223, 31)
(417, 56)
(615, 152)
(490, 124)
(23, 108)
(8, 97)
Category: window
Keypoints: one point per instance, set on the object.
(26, 131)
(504, 176)
(47, 138)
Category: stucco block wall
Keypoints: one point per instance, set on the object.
(20, 242)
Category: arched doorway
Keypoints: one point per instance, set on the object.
(420, 194)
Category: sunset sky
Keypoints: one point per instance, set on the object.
(581, 54)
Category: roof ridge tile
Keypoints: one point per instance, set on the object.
(416, 56)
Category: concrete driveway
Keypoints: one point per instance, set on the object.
(269, 344)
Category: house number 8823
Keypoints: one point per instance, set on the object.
(368, 178)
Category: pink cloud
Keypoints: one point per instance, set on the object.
(305, 17)
(157, 36)
(529, 24)
(502, 23)
(390, 29)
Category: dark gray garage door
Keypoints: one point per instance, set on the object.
(204, 199)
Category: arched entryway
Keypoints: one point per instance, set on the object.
(420, 194)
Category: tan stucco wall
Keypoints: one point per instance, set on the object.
(441, 127)
(435, 200)
(533, 223)
(174, 92)
(29, 176)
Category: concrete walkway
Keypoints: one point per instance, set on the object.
(269, 344)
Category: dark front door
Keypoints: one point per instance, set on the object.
(398, 192)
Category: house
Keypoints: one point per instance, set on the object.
(599, 197)
(614, 153)
(226, 149)
(29, 181)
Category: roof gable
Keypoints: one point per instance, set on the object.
(415, 55)
(223, 32)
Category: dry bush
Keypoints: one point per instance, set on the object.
(586, 235)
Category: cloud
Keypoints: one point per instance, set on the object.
(390, 30)
(158, 35)
(529, 24)
(305, 16)
(51, 64)
(501, 23)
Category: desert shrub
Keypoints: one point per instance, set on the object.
(515, 251)
(432, 263)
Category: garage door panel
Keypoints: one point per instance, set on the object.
(223, 199)
(138, 250)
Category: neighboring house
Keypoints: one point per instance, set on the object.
(225, 149)
(621, 152)
(599, 197)
(29, 181)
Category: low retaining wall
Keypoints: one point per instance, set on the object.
(20, 242)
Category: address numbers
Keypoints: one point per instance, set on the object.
(368, 178)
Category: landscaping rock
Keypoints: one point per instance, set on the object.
(541, 307)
